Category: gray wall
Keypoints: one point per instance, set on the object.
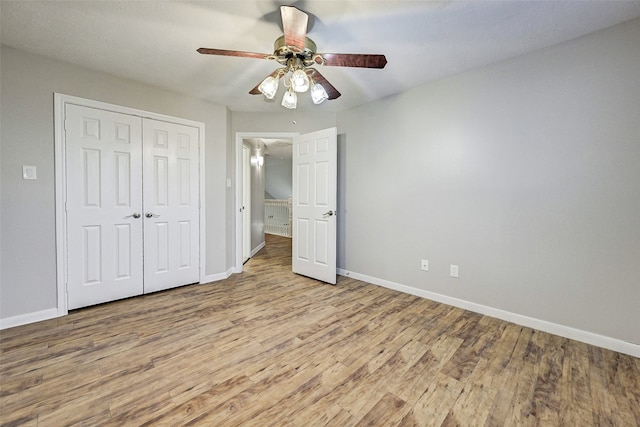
(525, 173)
(28, 269)
(257, 196)
(282, 122)
(278, 177)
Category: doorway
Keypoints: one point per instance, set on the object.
(314, 170)
(240, 173)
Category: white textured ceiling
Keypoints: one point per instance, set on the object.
(155, 41)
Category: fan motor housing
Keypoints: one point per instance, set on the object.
(283, 53)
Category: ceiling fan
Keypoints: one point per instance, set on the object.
(297, 53)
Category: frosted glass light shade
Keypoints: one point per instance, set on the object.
(300, 81)
(269, 87)
(289, 100)
(318, 94)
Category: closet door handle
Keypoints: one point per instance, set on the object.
(135, 215)
(150, 215)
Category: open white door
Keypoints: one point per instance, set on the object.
(315, 168)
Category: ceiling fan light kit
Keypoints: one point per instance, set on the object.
(318, 94)
(269, 87)
(297, 53)
(290, 99)
(299, 80)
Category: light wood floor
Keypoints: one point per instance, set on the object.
(268, 347)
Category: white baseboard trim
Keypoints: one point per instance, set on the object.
(38, 316)
(23, 319)
(218, 276)
(530, 322)
(257, 249)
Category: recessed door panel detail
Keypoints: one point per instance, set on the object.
(123, 251)
(184, 182)
(303, 185)
(92, 255)
(122, 175)
(184, 255)
(160, 139)
(92, 185)
(322, 145)
(303, 235)
(162, 248)
(322, 184)
(90, 128)
(321, 248)
(184, 141)
(161, 178)
(122, 133)
(303, 149)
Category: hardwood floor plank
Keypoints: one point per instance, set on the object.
(546, 395)
(388, 410)
(415, 381)
(434, 405)
(473, 405)
(268, 347)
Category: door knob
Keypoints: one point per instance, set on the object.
(326, 214)
(150, 215)
(135, 215)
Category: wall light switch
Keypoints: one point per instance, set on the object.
(454, 270)
(29, 172)
(228, 182)
(424, 265)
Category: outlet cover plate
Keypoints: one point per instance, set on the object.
(424, 265)
(29, 172)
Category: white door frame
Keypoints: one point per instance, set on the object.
(60, 173)
(246, 202)
(240, 136)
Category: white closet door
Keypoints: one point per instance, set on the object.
(171, 205)
(103, 205)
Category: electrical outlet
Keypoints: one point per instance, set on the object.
(424, 265)
(454, 270)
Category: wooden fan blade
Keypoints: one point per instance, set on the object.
(255, 90)
(294, 23)
(223, 52)
(352, 60)
(328, 87)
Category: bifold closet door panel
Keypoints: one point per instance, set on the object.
(171, 205)
(103, 163)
